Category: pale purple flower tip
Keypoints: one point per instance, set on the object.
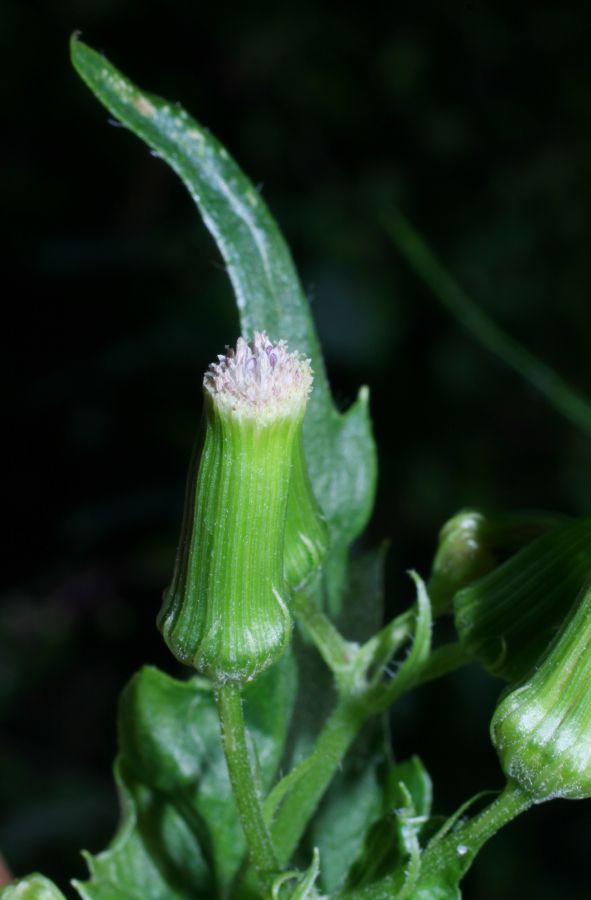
(260, 379)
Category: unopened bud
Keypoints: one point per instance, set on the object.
(506, 619)
(472, 543)
(542, 729)
(225, 612)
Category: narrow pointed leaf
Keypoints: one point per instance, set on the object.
(410, 670)
(283, 887)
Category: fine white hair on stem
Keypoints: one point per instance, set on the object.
(260, 379)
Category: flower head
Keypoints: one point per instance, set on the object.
(226, 611)
(260, 379)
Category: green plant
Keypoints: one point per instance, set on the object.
(273, 803)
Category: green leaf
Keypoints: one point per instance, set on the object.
(436, 890)
(413, 775)
(389, 888)
(180, 836)
(340, 450)
(316, 698)
(410, 670)
(349, 808)
(392, 845)
(361, 615)
(33, 887)
(155, 854)
(450, 853)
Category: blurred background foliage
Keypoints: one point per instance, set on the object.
(475, 119)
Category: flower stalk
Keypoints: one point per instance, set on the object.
(258, 839)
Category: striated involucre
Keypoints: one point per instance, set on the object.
(226, 610)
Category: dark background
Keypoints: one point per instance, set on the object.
(476, 120)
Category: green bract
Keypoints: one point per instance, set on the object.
(306, 533)
(542, 729)
(471, 544)
(461, 557)
(507, 618)
(226, 611)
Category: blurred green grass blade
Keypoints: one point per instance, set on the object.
(340, 450)
(565, 399)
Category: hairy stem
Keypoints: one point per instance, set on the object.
(260, 846)
(317, 772)
(456, 851)
(447, 859)
(332, 646)
(297, 795)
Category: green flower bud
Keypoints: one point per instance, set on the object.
(471, 544)
(506, 619)
(542, 729)
(306, 532)
(461, 557)
(225, 612)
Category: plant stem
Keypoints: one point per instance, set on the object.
(298, 794)
(318, 771)
(446, 860)
(260, 846)
(443, 660)
(564, 398)
(336, 652)
(456, 851)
